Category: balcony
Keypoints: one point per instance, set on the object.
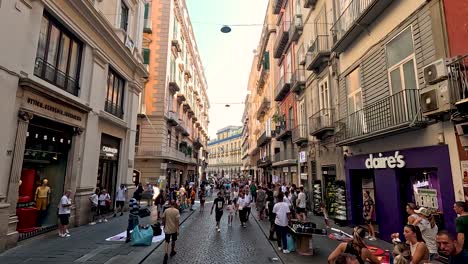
(264, 106)
(113, 109)
(298, 81)
(173, 84)
(354, 20)
(309, 3)
(262, 79)
(458, 79)
(277, 5)
(281, 42)
(295, 31)
(182, 128)
(197, 144)
(264, 138)
(188, 73)
(283, 130)
(318, 53)
(299, 134)
(181, 97)
(176, 45)
(321, 123)
(284, 158)
(147, 27)
(391, 115)
(56, 77)
(264, 162)
(173, 118)
(148, 152)
(282, 88)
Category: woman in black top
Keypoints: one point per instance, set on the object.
(271, 216)
(355, 247)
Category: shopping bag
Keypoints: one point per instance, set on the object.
(157, 231)
(144, 212)
(291, 243)
(142, 236)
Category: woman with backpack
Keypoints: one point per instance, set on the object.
(355, 247)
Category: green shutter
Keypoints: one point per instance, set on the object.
(146, 10)
(266, 60)
(146, 56)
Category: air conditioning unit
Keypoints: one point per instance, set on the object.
(462, 131)
(435, 99)
(436, 71)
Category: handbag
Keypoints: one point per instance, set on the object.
(144, 212)
(157, 231)
(142, 236)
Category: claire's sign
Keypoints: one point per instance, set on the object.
(380, 162)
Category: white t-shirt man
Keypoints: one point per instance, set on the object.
(120, 195)
(64, 209)
(103, 198)
(281, 210)
(248, 200)
(429, 233)
(241, 203)
(284, 188)
(301, 198)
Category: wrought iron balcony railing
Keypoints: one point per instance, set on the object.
(277, 5)
(321, 122)
(458, 79)
(173, 118)
(319, 53)
(282, 87)
(113, 109)
(264, 138)
(298, 81)
(299, 134)
(285, 156)
(396, 112)
(283, 130)
(295, 31)
(281, 41)
(53, 75)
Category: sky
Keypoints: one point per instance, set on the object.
(226, 58)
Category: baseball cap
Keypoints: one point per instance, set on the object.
(423, 211)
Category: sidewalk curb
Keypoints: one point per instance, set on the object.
(162, 242)
(269, 241)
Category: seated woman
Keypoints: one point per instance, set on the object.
(355, 247)
(419, 250)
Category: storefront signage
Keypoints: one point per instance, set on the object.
(302, 157)
(108, 151)
(48, 108)
(380, 162)
(426, 198)
(303, 176)
(293, 169)
(285, 169)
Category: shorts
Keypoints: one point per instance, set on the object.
(132, 222)
(120, 204)
(64, 219)
(202, 201)
(300, 210)
(41, 204)
(218, 215)
(169, 236)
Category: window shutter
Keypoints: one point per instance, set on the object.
(146, 10)
(146, 56)
(266, 60)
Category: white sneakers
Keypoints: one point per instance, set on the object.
(372, 239)
(285, 251)
(92, 223)
(280, 248)
(64, 235)
(105, 220)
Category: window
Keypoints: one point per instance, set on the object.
(58, 55)
(175, 29)
(146, 56)
(324, 94)
(353, 84)
(291, 118)
(287, 77)
(115, 94)
(123, 16)
(169, 138)
(137, 135)
(177, 142)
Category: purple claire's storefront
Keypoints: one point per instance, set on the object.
(421, 175)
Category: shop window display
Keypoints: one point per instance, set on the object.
(43, 175)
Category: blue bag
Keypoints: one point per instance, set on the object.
(142, 236)
(291, 243)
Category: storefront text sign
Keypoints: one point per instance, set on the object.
(381, 162)
(59, 112)
(108, 151)
(302, 157)
(426, 198)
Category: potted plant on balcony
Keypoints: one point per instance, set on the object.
(278, 119)
(189, 151)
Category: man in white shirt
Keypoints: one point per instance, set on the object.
(301, 205)
(248, 202)
(64, 214)
(283, 215)
(284, 188)
(120, 196)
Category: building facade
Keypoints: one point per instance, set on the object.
(356, 108)
(71, 74)
(224, 153)
(173, 120)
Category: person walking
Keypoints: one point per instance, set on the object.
(260, 202)
(241, 207)
(283, 216)
(355, 247)
(429, 230)
(132, 217)
(301, 204)
(368, 212)
(218, 203)
(104, 199)
(461, 224)
(202, 197)
(64, 209)
(253, 191)
(230, 209)
(171, 218)
(94, 200)
(448, 245)
(120, 196)
(193, 193)
(138, 192)
(412, 215)
(271, 215)
(248, 204)
(159, 202)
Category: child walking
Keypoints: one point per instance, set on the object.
(325, 215)
(230, 209)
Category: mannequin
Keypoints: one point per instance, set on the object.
(42, 198)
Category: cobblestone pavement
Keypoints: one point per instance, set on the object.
(86, 245)
(199, 243)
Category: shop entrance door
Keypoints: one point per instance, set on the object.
(107, 177)
(361, 181)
